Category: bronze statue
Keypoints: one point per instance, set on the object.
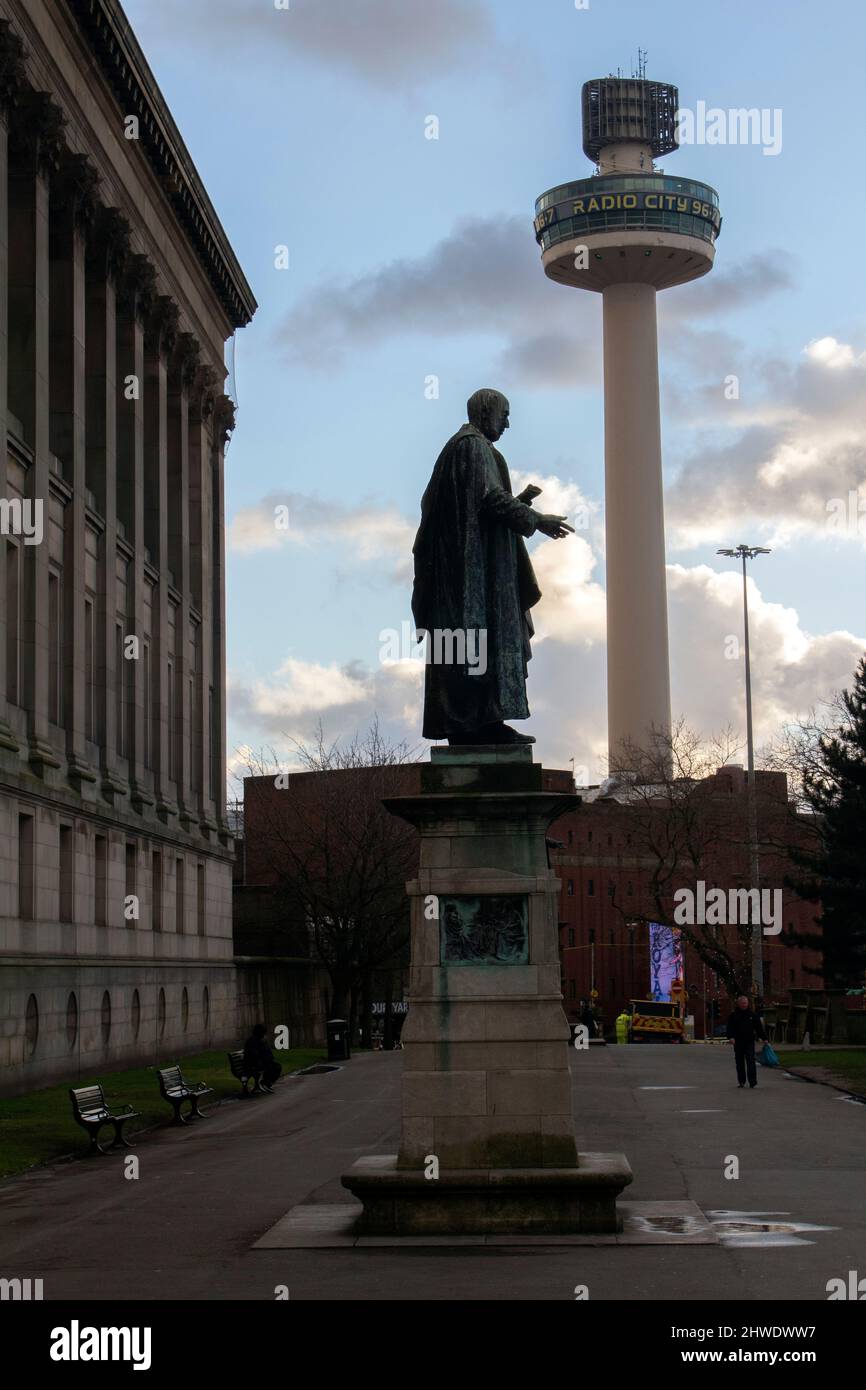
(474, 584)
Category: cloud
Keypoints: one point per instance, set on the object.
(386, 43)
(787, 459)
(373, 533)
(485, 278)
(792, 668)
(733, 287)
(299, 695)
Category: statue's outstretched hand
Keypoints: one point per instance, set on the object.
(554, 526)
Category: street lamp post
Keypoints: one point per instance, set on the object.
(745, 553)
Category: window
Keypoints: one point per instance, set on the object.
(31, 1025)
(13, 619)
(119, 689)
(592, 936)
(135, 1013)
(131, 879)
(176, 703)
(105, 1018)
(570, 888)
(205, 1006)
(184, 1009)
(67, 885)
(611, 889)
(71, 1021)
(571, 936)
(147, 722)
(100, 880)
(160, 1013)
(179, 897)
(25, 868)
(55, 649)
(213, 745)
(199, 905)
(571, 837)
(590, 888)
(172, 713)
(89, 673)
(156, 890)
(629, 890)
(610, 936)
(589, 838)
(610, 839)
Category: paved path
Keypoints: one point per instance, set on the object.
(185, 1228)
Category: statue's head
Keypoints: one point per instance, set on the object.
(488, 412)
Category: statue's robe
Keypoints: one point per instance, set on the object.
(473, 575)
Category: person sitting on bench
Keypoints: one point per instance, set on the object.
(259, 1059)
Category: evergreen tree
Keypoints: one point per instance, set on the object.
(834, 869)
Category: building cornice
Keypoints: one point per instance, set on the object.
(110, 38)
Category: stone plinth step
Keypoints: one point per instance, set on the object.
(490, 1201)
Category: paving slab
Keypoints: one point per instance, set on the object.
(800, 1156)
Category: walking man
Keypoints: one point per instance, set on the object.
(744, 1027)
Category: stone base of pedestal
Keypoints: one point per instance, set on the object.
(493, 1201)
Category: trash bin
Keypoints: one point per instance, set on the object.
(338, 1040)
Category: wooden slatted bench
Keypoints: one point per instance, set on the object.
(90, 1110)
(176, 1090)
(240, 1073)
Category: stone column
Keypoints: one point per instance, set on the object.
(11, 77)
(224, 423)
(181, 380)
(160, 336)
(72, 212)
(36, 132)
(138, 295)
(201, 530)
(107, 255)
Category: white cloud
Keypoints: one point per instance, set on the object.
(791, 462)
(792, 669)
(831, 353)
(371, 532)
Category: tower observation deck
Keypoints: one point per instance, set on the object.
(626, 232)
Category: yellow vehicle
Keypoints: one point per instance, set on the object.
(655, 1021)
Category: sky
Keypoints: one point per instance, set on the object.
(396, 274)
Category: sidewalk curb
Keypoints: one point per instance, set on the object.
(802, 1075)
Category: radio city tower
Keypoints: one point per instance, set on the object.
(627, 232)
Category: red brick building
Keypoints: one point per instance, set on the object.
(606, 897)
(605, 872)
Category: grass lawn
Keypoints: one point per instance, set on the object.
(848, 1066)
(39, 1126)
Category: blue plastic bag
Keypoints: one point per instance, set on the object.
(768, 1057)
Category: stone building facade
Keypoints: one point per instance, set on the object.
(118, 291)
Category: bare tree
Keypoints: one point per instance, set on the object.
(337, 859)
(683, 833)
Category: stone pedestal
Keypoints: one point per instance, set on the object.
(486, 1084)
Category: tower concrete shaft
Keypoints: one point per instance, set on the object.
(638, 682)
